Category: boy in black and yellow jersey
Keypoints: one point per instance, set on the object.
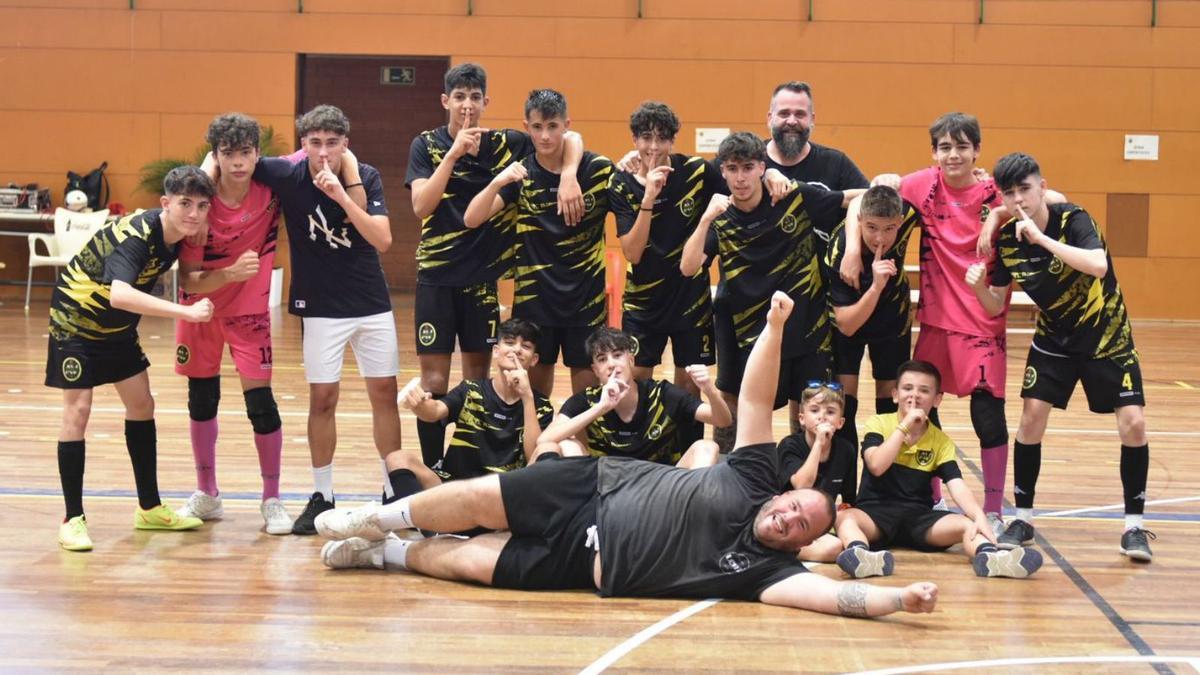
(764, 246)
(656, 209)
(559, 266)
(875, 316)
(630, 417)
(94, 313)
(901, 452)
(457, 266)
(1058, 256)
(489, 417)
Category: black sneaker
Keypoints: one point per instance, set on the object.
(1018, 533)
(1135, 544)
(316, 506)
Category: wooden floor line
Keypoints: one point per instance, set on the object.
(1193, 661)
(616, 653)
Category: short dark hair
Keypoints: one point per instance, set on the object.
(548, 102)
(1013, 168)
(881, 201)
(794, 86)
(741, 146)
(654, 116)
(608, 339)
(324, 117)
(466, 76)
(188, 180)
(519, 328)
(232, 131)
(923, 367)
(959, 126)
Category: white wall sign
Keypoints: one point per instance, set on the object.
(1141, 146)
(709, 138)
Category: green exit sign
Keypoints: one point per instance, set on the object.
(403, 75)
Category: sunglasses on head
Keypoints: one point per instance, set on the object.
(832, 386)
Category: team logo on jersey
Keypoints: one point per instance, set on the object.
(72, 369)
(655, 432)
(924, 457)
(732, 563)
(426, 334)
(183, 355)
(637, 345)
(687, 207)
(788, 224)
(1030, 378)
(589, 202)
(1056, 265)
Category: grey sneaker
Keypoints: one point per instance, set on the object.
(1135, 544)
(347, 523)
(201, 505)
(1017, 563)
(353, 552)
(1019, 533)
(860, 563)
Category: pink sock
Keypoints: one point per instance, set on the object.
(995, 469)
(204, 450)
(270, 453)
(935, 484)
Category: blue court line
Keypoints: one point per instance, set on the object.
(1124, 627)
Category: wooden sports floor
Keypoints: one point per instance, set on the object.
(231, 598)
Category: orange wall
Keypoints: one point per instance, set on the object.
(87, 80)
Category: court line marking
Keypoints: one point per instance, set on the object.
(616, 653)
(1112, 507)
(1193, 661)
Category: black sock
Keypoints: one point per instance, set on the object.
(986, 547)
(849, 430)
(933, 418)
(404, 483)
(141, 439)
(432, 437)
(1027, 463)
(885, 405)
(1135, 464)
(857, 544)
(70, 473)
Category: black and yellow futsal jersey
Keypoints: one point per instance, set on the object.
(906, 481)
(652, 433)
(489, 434)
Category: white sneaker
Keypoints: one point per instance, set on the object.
(347, 523)
(997, 522)
(201, 505)
(353, 552)
(276, 517)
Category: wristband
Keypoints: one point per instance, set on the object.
(903, 429)
(642, 208)
(347, 187)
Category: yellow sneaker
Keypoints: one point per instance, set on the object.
(163, 518)
(73, 535)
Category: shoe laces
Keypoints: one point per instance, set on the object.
(274, 509)
(1141, 534)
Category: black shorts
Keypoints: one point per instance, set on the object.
(442, 312)
(567, 339)
(886, 355)
(688, 347)
(84, 364)
(794, 374)
(902, 524)
(1108, 383)
(550, 505)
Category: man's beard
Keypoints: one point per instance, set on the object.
(790, 142)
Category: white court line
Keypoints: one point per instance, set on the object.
(1193, 661)
(1113, 507)
(614, 654)
(1089, 432)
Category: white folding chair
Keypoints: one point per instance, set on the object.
(71, 231)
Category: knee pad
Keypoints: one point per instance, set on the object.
(204, 395)
(262, 411)
(987, 416)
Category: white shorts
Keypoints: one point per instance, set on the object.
(373, 339)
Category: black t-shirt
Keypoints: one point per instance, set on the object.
(891, 317)
(653, 432)
(489, 433)
(656, 294)
(835, 476)
(450, 253)
(336, 273)
(774, 248)
(131, 250)
(671, 532)
(1080, 315)
(560, 270)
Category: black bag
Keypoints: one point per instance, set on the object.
(94, 185)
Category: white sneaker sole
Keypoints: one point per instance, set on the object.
(349, 553)
(1135, 554)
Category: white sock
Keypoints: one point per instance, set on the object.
(395, 553)
(387, 483)
(1133, 520)
(323, 480)
(396, 516)
(1025, 515)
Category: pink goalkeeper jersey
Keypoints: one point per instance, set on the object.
(254, 226)
(952, 220)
